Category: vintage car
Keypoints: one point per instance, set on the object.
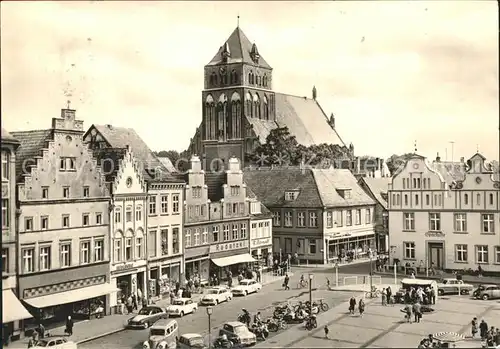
(55, 342)
(489, 292)
(191, 340)
(453, 286)
(246, 287)
(181, 307)
(146, 317)
(237, 332)
(216, 295)
(163, 334)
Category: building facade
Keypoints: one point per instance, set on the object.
(164, 207)
(261, 231)
(240, 107)
(127, 217)
(216, 224)
(63, 240)
(12, 310)
(377, 189)
(445, 221)
(318, 214)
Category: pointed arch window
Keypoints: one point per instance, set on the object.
(248, 104)
(209, 117)
(251, 77)
(221, 112)
(118, 247)
(257, 80)
(213, 79)
(266, 108)
(223, 79)
(256, 101)
(264, 80)
(233, 119)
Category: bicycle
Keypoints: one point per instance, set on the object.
(303, 284)
(374, 293)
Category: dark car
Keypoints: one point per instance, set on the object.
(146, 317)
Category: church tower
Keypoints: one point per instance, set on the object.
(237, 86)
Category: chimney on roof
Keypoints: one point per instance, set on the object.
(438, 158)
(332, 121)
(109, 126)
(314, 93)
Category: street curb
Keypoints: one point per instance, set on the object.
(348, 290)
(90, 339)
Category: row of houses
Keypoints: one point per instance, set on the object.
(89, 217)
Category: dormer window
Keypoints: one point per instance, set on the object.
(291, 195)
(158, 174)
(345, 193)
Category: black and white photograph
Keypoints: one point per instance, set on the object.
(266, 174)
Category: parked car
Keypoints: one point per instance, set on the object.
(480, 288)
(146, 317)
(246, 287)
(489, 292)
(55, 343)
(216, 295)
(453, 286)
(191, 340)
(238, 332)
(163, 331)
(181, 307)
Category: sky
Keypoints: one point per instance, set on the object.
(392, 72)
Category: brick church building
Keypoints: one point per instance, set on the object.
(240, 107)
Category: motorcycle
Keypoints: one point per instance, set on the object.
(311, 323)
(245, 318)
(222, 344)
(281, 310)
(273, 324)
(260, 330)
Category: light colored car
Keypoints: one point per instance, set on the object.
(181, 307)
(489, 292)
(453, 286)
(146, 317)
(246, 287)
(238, 333)
(216, 295)
(55, 343)
(191, 340)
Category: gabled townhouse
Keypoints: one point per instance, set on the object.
(127, 217)
(261, 230)
(216, 221)
(318, 214)
(63, 206)
(13, 312)
(377, 189)
(444, 217)
(163, 217)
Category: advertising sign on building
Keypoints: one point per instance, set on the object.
(228, 246)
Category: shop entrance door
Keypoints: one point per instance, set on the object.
(436, 256)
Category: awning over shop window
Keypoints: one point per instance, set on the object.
(12, 309)
(239, 258)
(79, 294)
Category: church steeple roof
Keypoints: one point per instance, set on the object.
(240, 48)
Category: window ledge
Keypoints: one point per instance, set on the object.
(483, 263)
(175, 213)
(152, 214)
(462, 262)
(409, 259)
(164, 214)
(483, 233)
(460, 232)
(409, 230)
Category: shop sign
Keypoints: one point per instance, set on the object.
(228, 246)
(435, 234)
(261, 242)
(124, 266)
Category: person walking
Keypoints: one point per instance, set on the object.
(483, 329)
(474, 327)
(134, 302)
(361, 307)
(130, 304)
(352, 305)
(388, 294)
(327, 330)
(433, 295)
(384, 297)
(286, 282)
(69, 326)
(417, 310)
(407, 311)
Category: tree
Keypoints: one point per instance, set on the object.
(394, 162)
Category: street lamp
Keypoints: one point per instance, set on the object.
(371, 272)
(209, 313)
(310, 294)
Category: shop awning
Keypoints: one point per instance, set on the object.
(66, 297)
(12, 309)
(239, 258)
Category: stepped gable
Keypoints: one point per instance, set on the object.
(214, 182)
(306, 120)
(331, 181)
(121, 137)
(240, 49)
(32, 145)
(270, 185)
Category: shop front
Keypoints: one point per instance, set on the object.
(231, 256)
(82, 293)
(357, 244)
(129, 278)
(164, 275)
(13, 312)
(261, 249)
(197, 263)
